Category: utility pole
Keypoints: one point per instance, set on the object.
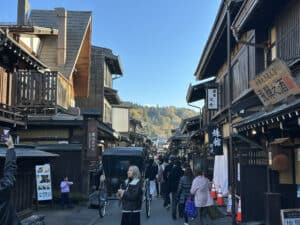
(231, 151)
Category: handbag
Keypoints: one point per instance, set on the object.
(190, 209)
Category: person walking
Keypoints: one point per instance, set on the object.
(8, 215)
(183, 192)
(160, 178)
(151, 173)
(131, 197)
(166, 175)
(65, 191)
(175, 175)
(200, 189)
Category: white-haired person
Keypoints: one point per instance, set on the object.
(131, 197)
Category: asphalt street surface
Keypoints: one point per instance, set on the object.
(159, 215)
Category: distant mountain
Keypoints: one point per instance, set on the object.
(159, 121)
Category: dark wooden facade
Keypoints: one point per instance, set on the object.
(261, 32)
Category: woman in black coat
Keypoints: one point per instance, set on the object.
(131, 198)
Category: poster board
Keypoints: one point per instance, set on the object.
(290, 216)
(43, 182)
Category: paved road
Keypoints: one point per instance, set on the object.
(81, 215)
(159, 215)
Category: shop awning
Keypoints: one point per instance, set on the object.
(112, 96)
(27, 151)
(197, 91)
(279, 113)
(190, 124)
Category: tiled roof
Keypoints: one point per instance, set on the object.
(77, 23)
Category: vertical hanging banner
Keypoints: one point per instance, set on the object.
(215, 140)
(43, 182)
(212, 98)
(92, 137)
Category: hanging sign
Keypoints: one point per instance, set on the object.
(215, 140)
(43, 182)
(290, 216)
(275, 83)
(212, 98)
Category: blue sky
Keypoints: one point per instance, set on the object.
(159, 41)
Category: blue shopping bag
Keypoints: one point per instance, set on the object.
(190, 209)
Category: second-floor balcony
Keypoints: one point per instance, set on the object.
(40, 92)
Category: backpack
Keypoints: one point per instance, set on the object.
(190, 209)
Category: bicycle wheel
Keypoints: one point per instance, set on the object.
(147, 200)
(102, 209)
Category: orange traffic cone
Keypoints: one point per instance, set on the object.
(239, 213)
(213, 192)
(220, 199)
(229, 204)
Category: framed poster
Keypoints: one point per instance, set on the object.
(290, 216)
(43, 182)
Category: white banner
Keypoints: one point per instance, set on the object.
(43, 182)
(221, 170)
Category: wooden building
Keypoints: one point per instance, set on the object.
(262, 95)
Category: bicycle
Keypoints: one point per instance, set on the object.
(102, 204)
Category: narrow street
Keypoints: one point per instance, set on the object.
(81, 215)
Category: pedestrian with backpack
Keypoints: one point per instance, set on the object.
(183, 192)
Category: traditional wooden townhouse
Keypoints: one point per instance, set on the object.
(257, 111)
(14, 57)
(105, 67)
(273, 124)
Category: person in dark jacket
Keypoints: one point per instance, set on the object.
(8, 215)
(131, 198)
(174, 177)
(183, 192)
(166, 175)
(151, 173)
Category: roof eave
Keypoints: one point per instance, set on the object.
(220, 19)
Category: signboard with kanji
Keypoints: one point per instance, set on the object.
(215, 140)
(212, 98)
(92, 137)
(290, 216)
(275, 83)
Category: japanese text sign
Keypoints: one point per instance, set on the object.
(43, 182)
(275, 83)
(290, 216)
(212, 98)
(215, 140)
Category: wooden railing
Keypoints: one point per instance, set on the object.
(40, 92)
(11, 115)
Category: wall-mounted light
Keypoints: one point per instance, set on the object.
(253, 132)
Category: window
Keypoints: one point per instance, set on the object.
(107, 114)
(273, 39)
(107, 77)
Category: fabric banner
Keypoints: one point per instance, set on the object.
(221, 171)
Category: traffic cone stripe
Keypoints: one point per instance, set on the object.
(239, 213)
(213, 192)
(220, 199)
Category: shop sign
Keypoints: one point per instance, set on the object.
(290, 216)
(92, 138)
(212, 98)
(215, 140)
(275, 83)
(43, 182)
